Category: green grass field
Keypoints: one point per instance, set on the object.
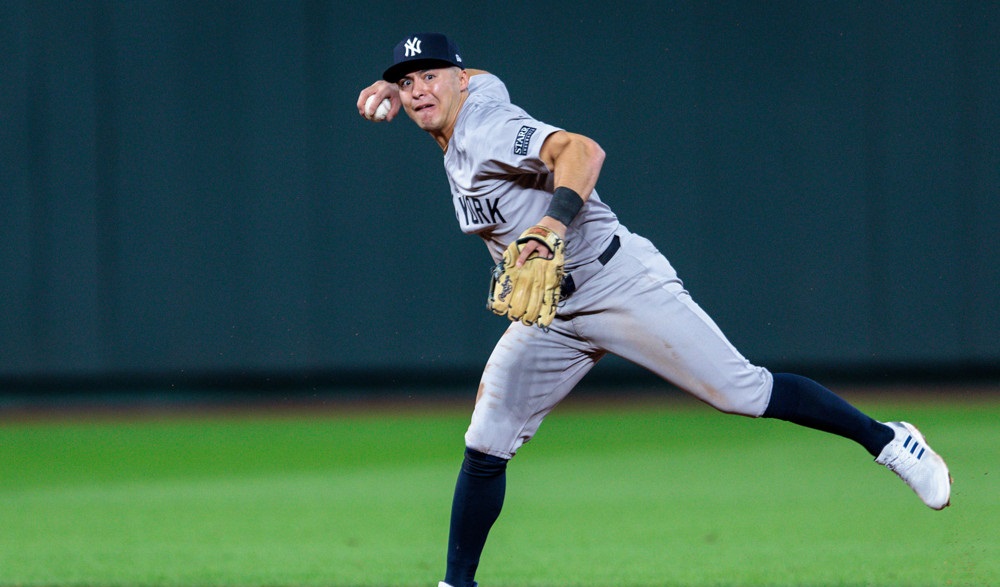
(642, 494)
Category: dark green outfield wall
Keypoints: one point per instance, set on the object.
(186, 187)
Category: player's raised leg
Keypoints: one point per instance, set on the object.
(897, 445)
(680, 342)
(804, 402)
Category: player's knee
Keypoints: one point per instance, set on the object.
(494, 439)
(743, 395)
(741, 401)
(733, 408)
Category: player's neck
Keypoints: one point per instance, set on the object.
(443, 137)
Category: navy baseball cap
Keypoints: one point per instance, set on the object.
(422, 51)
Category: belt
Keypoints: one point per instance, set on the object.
(569, 284)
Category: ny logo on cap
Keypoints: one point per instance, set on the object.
(412, 47)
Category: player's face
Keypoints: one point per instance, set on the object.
(433, 97)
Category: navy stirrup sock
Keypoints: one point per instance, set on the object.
(802, 401)
(478, 499)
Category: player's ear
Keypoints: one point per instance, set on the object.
(463, 80)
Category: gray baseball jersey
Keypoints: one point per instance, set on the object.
(628, 299)
(499, 184)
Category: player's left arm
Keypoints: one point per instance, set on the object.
(575, 161)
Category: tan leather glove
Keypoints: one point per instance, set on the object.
(529, 293)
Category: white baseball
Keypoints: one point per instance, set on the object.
(381, 112)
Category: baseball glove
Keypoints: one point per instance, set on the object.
(529, 293)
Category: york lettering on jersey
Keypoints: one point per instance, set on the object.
(481, 210)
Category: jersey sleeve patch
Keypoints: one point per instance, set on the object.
(523, 140)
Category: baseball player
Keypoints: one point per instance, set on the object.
(576, 285)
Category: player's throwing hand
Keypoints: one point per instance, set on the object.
(370, 99)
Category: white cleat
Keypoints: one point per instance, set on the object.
(443, 584)
(909, 456)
